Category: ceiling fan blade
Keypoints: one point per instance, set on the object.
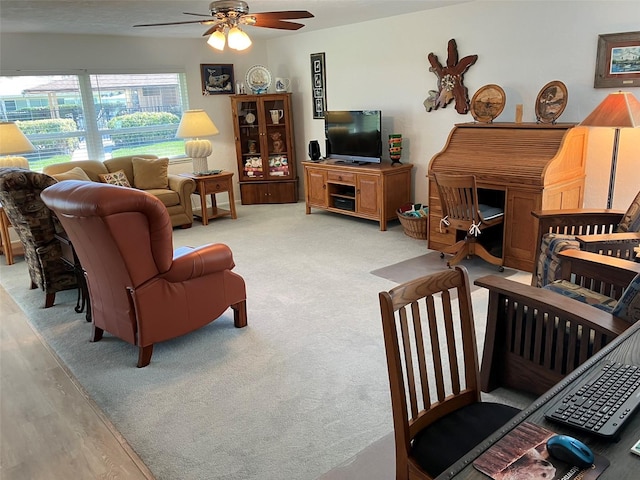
(286, 15)
(197, 14)
(280, 24)
(171, 23)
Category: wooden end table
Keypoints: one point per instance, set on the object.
(210, 185)
(9, 248)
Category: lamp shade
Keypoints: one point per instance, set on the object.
(217, 40)
(194, 124)
(12, 140)
(237, 39)
(617, 110)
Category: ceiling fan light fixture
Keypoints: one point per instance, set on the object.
(237, 39)
(217, 40)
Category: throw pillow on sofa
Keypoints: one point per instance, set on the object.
(76, 173)
(115, 178)
(150, 173)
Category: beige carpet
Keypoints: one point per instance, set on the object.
(301, 391)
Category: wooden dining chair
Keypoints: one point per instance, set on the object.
(536, 336)
(462, 211)
(432, 360)
(606, 232)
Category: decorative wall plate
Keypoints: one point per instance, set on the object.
(487, 103)
(259, 79)
(551, 102)
(250, 118)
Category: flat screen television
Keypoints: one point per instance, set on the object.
(353, 136)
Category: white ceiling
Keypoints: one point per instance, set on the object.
(117, 17)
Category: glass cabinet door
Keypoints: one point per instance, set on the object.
(276, 141)
(249, 120)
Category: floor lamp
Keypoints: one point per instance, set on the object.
(618, 110)
(194, 124)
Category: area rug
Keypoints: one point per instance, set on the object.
(431, 262)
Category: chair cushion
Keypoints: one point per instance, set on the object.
(448, 439)
(489, 213)
(115, 178)
(76, 173)
(552, 244)
(582, 294)
(150, 173)
(628, 306)
(168, 197)
(631, 219)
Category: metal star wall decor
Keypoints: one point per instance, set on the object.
(450, 81)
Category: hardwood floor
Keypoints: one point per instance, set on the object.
(49, 429)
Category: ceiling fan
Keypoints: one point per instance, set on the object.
(226, 17)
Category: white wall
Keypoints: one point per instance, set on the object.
(521, 46)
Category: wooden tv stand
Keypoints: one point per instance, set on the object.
(373, 191)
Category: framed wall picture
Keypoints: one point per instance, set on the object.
(217, 78)
(318, 85)
(618, 60)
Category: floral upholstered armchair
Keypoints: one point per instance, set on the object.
(36, 227)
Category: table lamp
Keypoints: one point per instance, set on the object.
(195, 124)
(618, 110)
(13, 141)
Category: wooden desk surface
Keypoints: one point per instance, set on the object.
(624, 465)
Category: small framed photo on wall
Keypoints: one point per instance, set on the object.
(217, 79)
(618, 60)
(318, 84)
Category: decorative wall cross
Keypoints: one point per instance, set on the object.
(450, 81)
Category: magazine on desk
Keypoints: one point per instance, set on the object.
(522, 455)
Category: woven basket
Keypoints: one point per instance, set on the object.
(415, 227)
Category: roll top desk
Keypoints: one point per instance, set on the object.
(520, 166)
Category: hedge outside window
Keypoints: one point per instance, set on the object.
(95, 117)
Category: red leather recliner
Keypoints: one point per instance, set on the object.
(140, 289)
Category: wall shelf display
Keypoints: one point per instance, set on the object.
(263, 127)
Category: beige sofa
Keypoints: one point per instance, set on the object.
(176, 196)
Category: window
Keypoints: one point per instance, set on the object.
(79, 117)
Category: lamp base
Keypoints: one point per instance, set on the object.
(198, 150)
(18, 162)
(200, 165)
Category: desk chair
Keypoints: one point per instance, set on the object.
(462, 211)
(432, 360)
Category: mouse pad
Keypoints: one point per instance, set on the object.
(522, 453)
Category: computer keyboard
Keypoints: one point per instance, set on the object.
(603, 403)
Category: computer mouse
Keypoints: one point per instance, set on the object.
(570, 450)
